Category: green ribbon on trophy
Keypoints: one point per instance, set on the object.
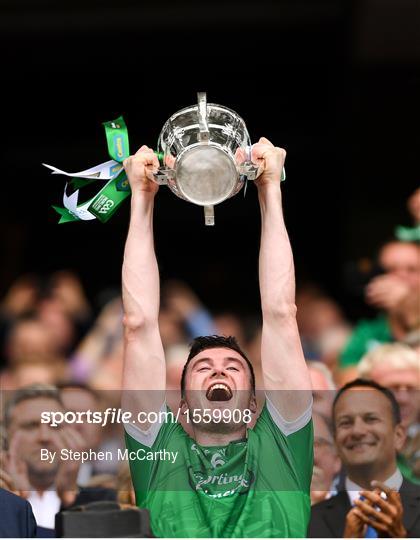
(108, 199)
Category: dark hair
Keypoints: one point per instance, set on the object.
(214, 342)
(396, 413)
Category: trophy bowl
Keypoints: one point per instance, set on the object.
(206, 154)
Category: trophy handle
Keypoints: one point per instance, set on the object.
(253, 171)
(162, 176)
(204, 134)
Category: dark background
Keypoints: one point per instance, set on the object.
(337, 83)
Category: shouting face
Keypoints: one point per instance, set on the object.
(218, 389)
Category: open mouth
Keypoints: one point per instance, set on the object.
(219, 392)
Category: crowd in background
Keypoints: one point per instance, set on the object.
(56, 354)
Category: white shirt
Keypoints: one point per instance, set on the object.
(45, 506)
(353, 490)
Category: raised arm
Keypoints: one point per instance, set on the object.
(286, 379)
(144, 364)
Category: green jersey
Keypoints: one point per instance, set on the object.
(406, 470)
(367, 335)
(256, 487)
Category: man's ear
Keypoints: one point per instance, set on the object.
(400, 436)
(183, 406)
(253, 404)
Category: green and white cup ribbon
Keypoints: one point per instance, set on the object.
(103, 171)
(72, 211)
(80, 211)
(110, 197)
(117, 139)
(107, 201)
(104, 204)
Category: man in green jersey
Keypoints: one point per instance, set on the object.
(396, 293)
(227, 480)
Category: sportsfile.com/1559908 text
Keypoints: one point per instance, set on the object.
(113, 415)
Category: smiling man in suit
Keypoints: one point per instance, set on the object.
(377, 500)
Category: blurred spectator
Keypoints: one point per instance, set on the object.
(322, 326)
(32, 373)
(413, 340)
(31, 347)
(48, 484)
(396, 293)
(105, 392)
(397, 367)
(171, 328)
(253, 349)
(51, 313)
(413, 205)
(125, 487)
(67, 289)
(108, 438)
(108, 375)
(175, 360)
(331, 343)
(327, 464)
(411, 233)
(229, 324)
(323, 388)
(368, 434)
(57, 300)
(20, 298)
(31, 340)
(180, 300)
(80, 398)
(103, 341)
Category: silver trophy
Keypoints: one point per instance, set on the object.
(206, 155)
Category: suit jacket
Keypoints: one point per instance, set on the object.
(328, 517)
(17, 519)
